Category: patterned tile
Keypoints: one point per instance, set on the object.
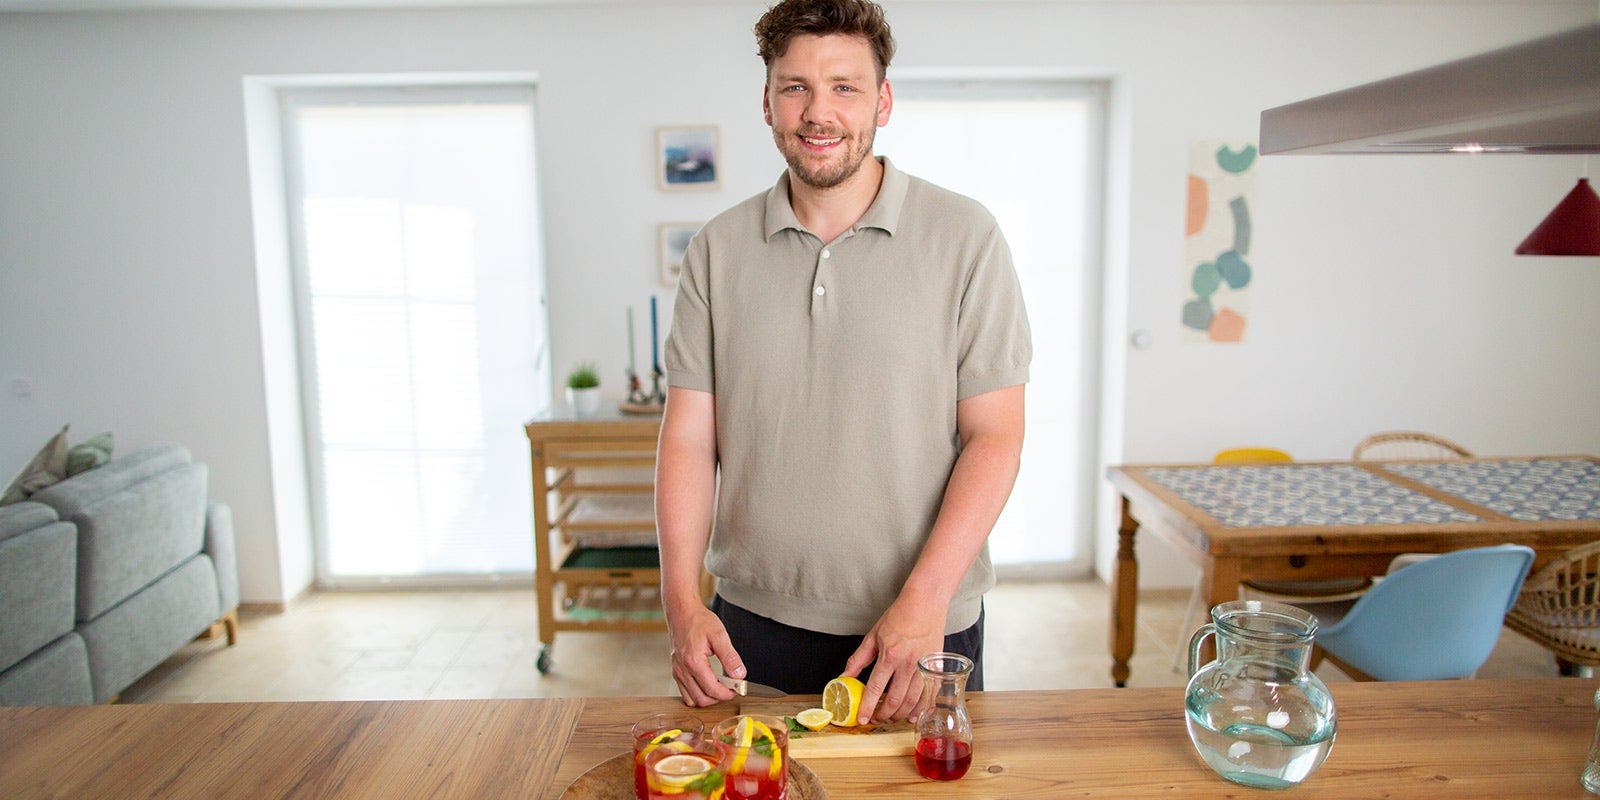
(1301, 494)
(1528, 489)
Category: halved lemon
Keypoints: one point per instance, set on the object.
(814, 719)
(680, 769)
(842, 698)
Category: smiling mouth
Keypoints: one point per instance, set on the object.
(815, 142)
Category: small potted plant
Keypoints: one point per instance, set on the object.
(583, 389)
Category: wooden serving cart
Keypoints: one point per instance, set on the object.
(596, 566)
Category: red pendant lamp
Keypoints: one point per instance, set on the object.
(1571, 229)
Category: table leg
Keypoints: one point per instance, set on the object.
(1124, 597)
(1220, 579)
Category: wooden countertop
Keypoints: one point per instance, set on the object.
(383, 749)
(1461, 739)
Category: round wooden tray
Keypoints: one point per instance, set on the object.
(612, 779)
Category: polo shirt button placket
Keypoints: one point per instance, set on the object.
(819, 289)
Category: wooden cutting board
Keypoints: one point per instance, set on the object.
(889, 739)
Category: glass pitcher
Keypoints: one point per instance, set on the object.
(1591, 767)
(944, 731)
(1257, 714)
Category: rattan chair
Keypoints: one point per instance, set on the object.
(1402, 445)
(1559, 609)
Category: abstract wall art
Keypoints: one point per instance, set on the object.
(687, 157)
(1217, 266)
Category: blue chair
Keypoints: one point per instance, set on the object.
(1436, 619)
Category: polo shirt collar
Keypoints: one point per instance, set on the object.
(884, 213)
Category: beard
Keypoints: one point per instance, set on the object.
(838, 168)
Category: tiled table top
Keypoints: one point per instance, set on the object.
(1302, 494)
(1528, 489)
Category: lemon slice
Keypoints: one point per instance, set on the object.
(814, 719)
(679, 770)
(665, 735)
(842, 698)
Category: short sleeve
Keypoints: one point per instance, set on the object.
(996, 346)
(688, 355)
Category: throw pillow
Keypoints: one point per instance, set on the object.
(48, 466)
(87, 455)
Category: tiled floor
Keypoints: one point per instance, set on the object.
(467, 644)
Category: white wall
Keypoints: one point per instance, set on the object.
(1386, 293)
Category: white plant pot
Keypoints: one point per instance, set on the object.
(584, 402)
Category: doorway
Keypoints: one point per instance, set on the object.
(1031, 152)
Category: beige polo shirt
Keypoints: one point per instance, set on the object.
(837, 368)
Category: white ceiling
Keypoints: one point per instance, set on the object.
(191, 5)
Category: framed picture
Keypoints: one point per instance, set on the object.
(674, 239)
(687, 157)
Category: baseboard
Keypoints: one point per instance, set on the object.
(271, 607)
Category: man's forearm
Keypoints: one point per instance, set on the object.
(973, 499)
(991, 427)
(686, 476)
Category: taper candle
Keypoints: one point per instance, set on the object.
(631, 370)
(655, 357)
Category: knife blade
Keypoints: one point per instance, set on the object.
(745, 688)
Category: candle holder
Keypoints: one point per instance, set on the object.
(639, 401)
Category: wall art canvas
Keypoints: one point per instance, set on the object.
(673, 239)
(1217, 266)
(687, 157)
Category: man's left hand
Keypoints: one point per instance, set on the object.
(905, 633)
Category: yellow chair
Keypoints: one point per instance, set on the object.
(1251, 455)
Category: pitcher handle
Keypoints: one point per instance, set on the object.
(1208, 629)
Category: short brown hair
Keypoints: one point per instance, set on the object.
(791, 18)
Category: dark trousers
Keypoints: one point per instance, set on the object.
(799, 661)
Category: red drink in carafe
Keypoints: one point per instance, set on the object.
(943, 759)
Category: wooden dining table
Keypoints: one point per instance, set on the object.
(1458, 739)
(1332, 519)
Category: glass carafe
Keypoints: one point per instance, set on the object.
(944, 731)
(1257, 714)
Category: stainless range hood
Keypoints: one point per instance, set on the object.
(1541, 96)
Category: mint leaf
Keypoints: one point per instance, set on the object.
(794, 725)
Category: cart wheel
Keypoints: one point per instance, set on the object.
(543, 664)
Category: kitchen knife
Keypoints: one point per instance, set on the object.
(750, 689)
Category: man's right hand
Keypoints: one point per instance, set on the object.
(697, 634)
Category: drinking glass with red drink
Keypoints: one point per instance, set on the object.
(692, 774)
(755, 757)
(944, 731)
(676, 732)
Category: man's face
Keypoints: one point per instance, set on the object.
(824, 103)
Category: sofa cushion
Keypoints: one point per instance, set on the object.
(58, 675)
(70, 496)
(23, 517)
(142, 631)
(137, 517)
(46, 467)
(37, 573)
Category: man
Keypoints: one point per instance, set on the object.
(848, 353)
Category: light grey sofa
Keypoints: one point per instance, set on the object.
(107, 573)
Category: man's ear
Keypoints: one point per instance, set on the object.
(885, 103)
(766, 105)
